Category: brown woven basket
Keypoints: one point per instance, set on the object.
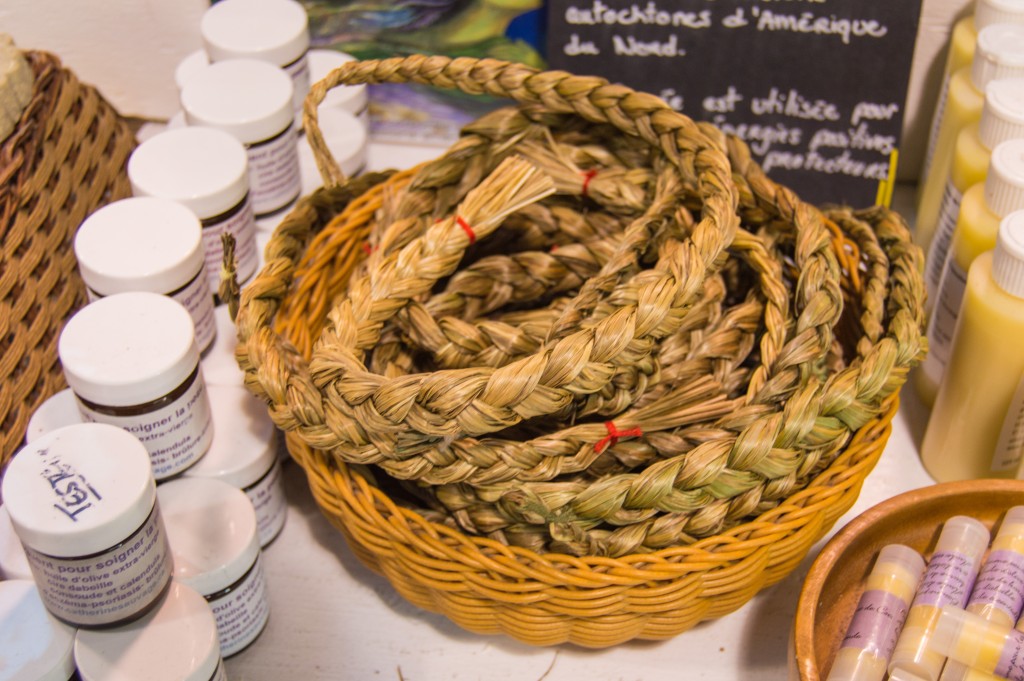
(657, 570)
(65, 159)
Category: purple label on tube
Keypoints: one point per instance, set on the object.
(876, 623)
(1011, 661)
(947, 581)
(1001, 583)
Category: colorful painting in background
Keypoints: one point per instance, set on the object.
(372, 29)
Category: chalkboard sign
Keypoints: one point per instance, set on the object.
(815, 87)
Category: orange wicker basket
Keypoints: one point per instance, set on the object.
(65, 159)
(546, 597)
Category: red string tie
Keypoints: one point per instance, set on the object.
(612, 438)
(367, 248)
(588, 175)
(466, 228)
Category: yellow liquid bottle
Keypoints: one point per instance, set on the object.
(881, 611)
(947, 580)
(962, 42)
(999, 54)
(977, 225)
(998, 593)
(1002, 118)
(976, 429)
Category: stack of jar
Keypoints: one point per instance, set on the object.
(972, 193)
(949, 619)
(222, 86)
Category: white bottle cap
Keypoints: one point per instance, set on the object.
(140, 244)
(110, 462)
(350, 98)
(13, 561)
(999, 54)
(206, 170)
(346, 138)
(988, 12)
(211, 527)
(244, 446)
(965, 535)
(59, 410)
(191, 64)
(1004, 184)
(1008, 257)
(1002, 116)
(274, 31)
(177, 641)
(128, 349)
(36, 646)
(250, 99)
(219, 364)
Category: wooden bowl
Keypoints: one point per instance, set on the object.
(836, 579)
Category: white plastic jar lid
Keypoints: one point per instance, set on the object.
(250, 99)
(109, 467)
(351, 98)
(205, 169)
(128, 349)
(140, 244)
(59, 410)
(13, 561)
(36, 645)
(175, 642)
(244, 447)
(192, 63)
(211, 527)
(276, 31)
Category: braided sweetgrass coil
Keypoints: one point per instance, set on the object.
(592, 326)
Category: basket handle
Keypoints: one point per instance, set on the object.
(593, 98)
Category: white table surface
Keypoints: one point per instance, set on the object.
(332, 618)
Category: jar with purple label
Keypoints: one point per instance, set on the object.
(148, 244)
(82, 500)
(132, 361)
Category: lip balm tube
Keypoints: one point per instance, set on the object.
(881, 611)
(13, 561)
(350, 98)
(347, 140)
(83, 502)
(59, 410)
(948, 579)
(251, 100)
(212, 530)
(148, 244)
(979, 643)
(273, 31)
(998, 594)
(244, 455)
(131, 360)
(207, 171)
(175, 642)
(37, 646)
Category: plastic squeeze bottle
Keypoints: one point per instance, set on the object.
(948, 579)
(983, 207)
(1002, 118)
(976, 429)
(998, 594)
(1000, 54)
(881, 611)
(962, 43)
